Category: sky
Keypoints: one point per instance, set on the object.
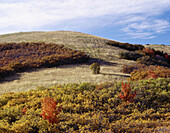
(132, 21)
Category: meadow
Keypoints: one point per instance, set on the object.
(130, 94)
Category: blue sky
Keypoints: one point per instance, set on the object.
(133, 21)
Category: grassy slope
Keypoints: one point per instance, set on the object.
(75, 40)
(93, 46)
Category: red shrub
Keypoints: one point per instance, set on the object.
(149, 51)
(127, 96)
(152, 74)
(166, 56)
(24, 110)
(50, 111)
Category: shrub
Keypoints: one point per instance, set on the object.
(3, 130)
(153, 52)
(50, 111)
(147, 60)
(6, 72)
(94, 110)
(18, 57)
(127, 46)
(86, 86)
(17, 66)
(149, 51)
(161, 53)
(127, 96)
(99, 86)
(152, 94)
(167, 57)
(24, 110)
(148, 72)
(151, 74)
(130, 55)
(95, 67)
(130, 68)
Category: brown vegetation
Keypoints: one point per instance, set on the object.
(24, 56)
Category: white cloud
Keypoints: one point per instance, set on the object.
(143, 35)
(146, 29)
(27, 15)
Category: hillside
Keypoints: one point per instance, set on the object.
(93, 46)
(90, 44)
(50, 86)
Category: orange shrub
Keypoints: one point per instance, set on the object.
(149, 51)
(24, 110)
(127, 96)
(49, 110)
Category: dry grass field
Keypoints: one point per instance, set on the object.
(93, 46)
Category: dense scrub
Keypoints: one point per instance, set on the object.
(87, 107)
(16, 57)
(130, 68)
(142, 55)
(148, 60)
(150, 72)
(148, 64)
(130, 55)
(127, 46)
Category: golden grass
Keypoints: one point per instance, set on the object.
(61, 75)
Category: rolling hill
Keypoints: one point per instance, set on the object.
(93, 46)
(54, 95)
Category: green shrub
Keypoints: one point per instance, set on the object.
(86, 86)
(153, 94)
(95, 67)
